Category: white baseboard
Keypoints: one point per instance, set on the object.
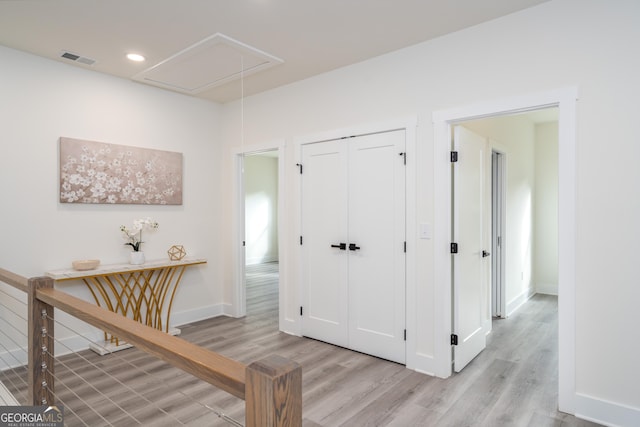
(606, 413)
(262, 260)
(180, 318)
(547, 288)
(229, 310)
(423, 363)
(290, 326)
(515, 303)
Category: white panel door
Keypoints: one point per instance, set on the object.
(377, 227)
(471, 320)
(353, 193)
(324, 213)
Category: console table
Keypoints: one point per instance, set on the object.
(141, 292)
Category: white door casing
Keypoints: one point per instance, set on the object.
(353, 193)
(471, 265)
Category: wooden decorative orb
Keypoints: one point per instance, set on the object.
(176, 252)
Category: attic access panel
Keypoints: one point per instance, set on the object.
(211, 62)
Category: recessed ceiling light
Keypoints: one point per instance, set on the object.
(135, 57)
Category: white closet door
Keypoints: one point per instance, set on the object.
(353, 230)
(377, 228)
(324, 223)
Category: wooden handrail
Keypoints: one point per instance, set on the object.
(224, 373)
(15, 280)
(271, 387)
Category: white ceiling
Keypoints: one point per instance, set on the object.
(309, 36)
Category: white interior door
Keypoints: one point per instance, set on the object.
(353, 230)
(471, 268)
(325, 216)
(377, 227)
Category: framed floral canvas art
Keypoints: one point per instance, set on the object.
(98, 172)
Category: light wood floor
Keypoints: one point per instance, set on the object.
(512, 383)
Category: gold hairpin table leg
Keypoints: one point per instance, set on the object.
(144, 294)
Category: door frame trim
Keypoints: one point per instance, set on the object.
(565, 99)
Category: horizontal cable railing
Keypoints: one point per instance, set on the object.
(271, 387)
(13, 344)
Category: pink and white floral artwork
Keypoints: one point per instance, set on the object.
(98, 172)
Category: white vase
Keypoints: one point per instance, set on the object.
(136, 258)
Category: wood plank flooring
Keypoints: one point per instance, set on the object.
(512, 383)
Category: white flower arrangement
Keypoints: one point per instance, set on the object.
(134, 235)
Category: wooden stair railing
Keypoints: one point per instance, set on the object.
(271, 387)
(15, 280)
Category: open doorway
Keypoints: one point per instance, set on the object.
(504, 221)
(504, 181)
(260, 242)
(565, 100)
(498, 213)
(524, 205)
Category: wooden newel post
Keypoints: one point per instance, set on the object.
(41, 339)
(273, 393)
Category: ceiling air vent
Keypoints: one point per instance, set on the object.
(77, 58)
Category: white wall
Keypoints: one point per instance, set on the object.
(546, 208)
(261, 208)
(557, 44)
(43, 100)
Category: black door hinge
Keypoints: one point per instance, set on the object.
(300, 166)
(301, 240)
(454, 339)
(405, 334)
(405, 247)
(454, 156)
(404, 155)
(454, 248)
(300, 310)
